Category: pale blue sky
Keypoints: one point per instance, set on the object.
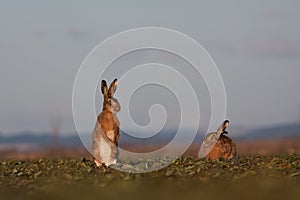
(255, 44)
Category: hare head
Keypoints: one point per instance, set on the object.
(110, 103)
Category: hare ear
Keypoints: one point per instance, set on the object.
(104, 88)
(112, 88)
(223, 127)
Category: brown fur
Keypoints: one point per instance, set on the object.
(216, 145)
(106, 133)
(224, 148)
(109, 124)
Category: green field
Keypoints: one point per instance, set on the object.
(249, 177)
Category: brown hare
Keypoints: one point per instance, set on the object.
(106, 132)
(216, 145)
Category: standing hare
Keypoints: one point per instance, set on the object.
(216, 145)
(106, 133)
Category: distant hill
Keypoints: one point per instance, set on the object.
(71, 140)
(274, 132)
(41, 139)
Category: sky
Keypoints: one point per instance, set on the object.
(255, 44)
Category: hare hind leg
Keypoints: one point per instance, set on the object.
(105, 152)
(233, 150)
(97, 159)
(98, 163)
(96, 153)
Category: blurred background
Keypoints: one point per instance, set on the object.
(255, 44)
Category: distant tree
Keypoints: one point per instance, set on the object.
(55, 126)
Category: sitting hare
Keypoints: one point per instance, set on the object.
(106, 133)
(216, 145)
